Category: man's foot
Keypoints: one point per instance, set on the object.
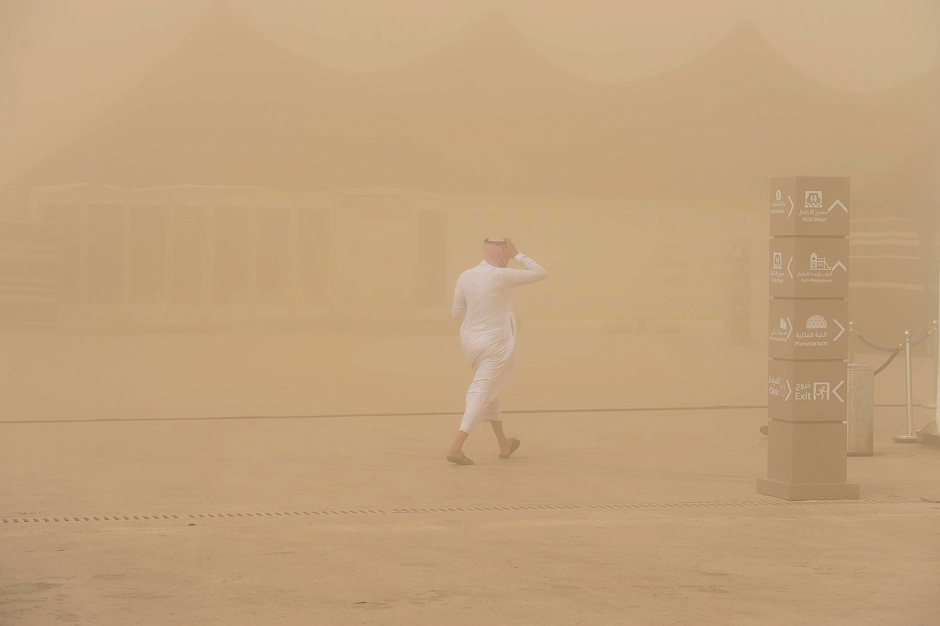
(514, 444)
(460, 460)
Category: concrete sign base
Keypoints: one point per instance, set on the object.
(806, 452)
(810, 491)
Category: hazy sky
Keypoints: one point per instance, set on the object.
(63, 61)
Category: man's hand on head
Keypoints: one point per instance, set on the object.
(511, 248)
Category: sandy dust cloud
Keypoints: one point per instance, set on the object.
(245, 310)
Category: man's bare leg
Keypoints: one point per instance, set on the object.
(505, 443)
(456, 447)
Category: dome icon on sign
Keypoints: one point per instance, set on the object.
(816, 322)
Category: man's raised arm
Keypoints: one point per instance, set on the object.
(532, 273)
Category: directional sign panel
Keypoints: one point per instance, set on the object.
(806, 391)
(808, 329)
(809, 267)
(808, 273)
(809, 206)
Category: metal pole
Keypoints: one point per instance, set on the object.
(936, 400)
(936, 364)
(851, 339)
(910, 437)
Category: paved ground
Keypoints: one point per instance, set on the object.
(359, 520)
(95, 376)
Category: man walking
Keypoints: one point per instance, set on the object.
(483, 299)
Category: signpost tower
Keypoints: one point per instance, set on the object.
(808, 342)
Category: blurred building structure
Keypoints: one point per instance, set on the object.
(214, 253)
(891, 290)
(99, 255)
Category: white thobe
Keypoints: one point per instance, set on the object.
(483, 298)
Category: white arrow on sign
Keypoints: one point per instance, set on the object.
(839, 264)
(791, 206)
(837, 389)
(835, 204)
(841, 327)
(788, 267)
(790, 328)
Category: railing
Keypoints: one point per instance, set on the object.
(907, 345)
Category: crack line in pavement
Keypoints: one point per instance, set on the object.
(96, 420)
(531, 507)
(648, 409)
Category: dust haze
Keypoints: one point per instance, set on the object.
(240, 246)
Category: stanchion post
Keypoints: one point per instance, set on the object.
(936, 398)
(910, 437)
(851, 340)
(935, 345)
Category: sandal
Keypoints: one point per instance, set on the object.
(515, 446)
(460, 460)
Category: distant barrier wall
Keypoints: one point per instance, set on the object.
(227, 253)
